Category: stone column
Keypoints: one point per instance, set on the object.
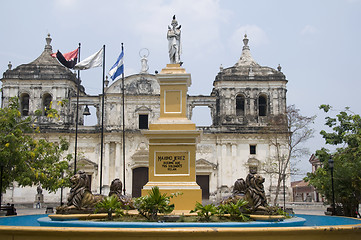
(118, 160)
(234, 150)
(213, 113)
(106, 168)
(252, 104)
(220, 170)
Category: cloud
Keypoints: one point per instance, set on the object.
(309, 30)
(201, 22)
(130, 71)
(66, 4)
(145, 22)
(256, 35)
(13, 55)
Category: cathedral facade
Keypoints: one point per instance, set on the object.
(243, 100)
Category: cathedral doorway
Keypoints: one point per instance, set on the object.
(140, 178)
(203, 182)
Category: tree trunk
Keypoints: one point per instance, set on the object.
(275, 202)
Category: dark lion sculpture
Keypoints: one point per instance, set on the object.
(116, 188)
(240, 187)
(251, 190)
(80, 199)
(255, 194)
(239, 192)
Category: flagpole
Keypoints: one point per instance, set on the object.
(123, 90)
(102, 127)
(77, 115)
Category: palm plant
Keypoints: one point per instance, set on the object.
(154, 203)
(204, 212)
(109, 205)
(235, 210)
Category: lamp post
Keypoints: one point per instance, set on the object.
(330, 165)
(77, 116)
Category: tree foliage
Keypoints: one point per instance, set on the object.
(346, 135)
(286, 135)
(27, 159)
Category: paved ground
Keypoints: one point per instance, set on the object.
(310, 211)
(308, 208)
(30, 211)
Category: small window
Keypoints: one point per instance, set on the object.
(24, 104)
(143, 121)
(262, 106)
(240, 105)
(252, 149)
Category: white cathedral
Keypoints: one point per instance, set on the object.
(243, 100)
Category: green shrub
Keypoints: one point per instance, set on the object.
(276, 210)
(236, 211)
(154, 203)
(204, 212)
(109, 205)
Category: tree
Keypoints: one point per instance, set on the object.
(27, 159)
(346, 136)
(286, 134)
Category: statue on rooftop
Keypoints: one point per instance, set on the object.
(145, 67)
(174, 42)
(144, 53)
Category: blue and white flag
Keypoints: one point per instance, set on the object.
(118, 67)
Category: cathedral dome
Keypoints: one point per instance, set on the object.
(247, 69)
(45, 67)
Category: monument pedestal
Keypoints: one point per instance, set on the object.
(172, 142)
(172, 166)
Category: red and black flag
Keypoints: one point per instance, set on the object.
(67, 59)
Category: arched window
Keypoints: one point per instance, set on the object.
(262, 106)
(24, 104)
(240, 105)
(47, 98)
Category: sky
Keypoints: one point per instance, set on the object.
(316, 42)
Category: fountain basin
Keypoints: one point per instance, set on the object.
(48, 222)
(315, 227)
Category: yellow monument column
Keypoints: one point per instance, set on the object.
(172, 141)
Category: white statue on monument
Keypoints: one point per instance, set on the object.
(174, 42)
